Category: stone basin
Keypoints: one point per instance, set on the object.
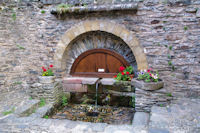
(147, 86)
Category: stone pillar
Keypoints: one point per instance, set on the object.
(48, 88)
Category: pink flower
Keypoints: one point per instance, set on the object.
(50, 65)
(127, 73)
(44, 70)
(122, 73)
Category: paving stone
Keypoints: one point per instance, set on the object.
(151, 130)
(141, 119)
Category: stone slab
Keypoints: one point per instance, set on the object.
(107, 81)
(74, 88)
(80, 80)
(141, 119)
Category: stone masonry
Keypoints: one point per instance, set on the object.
(47, 88)
(167, 32)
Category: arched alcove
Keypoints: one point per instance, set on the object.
(89, 35)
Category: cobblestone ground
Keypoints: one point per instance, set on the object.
(182, 116)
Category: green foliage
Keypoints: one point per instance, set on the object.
(166, 45)
(46, 116)
(158, 44)
(43, 11)
(17, 83)
(148, 76)
(62, 8)
(64, 100)
(14, 16)
(170, 47)
(164, 22)
(30, 98)
(164, 28)
(133, 101)
(20, 47)
(161, 105)
(170, 63)
(9, 111)
(42, 102)
(169, 56)
(169, 94)
(185, 28)
(173, 68)
(47, 72)
(124, 74)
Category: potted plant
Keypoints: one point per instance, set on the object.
(125, 74)
(148, 80)
(47, 75)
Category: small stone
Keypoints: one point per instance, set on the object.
(180, 2)
(198, 13)
(36, 85)
(191, 10)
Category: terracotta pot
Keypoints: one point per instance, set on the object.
(147, 86)
(46, 79)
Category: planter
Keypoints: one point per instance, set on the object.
(147, 86)
(46, 79)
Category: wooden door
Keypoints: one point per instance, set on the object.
(98, 63)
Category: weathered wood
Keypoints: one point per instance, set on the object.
(89, 63)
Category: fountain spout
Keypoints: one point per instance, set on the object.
(97, 86)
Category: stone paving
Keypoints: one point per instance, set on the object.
(181, 116)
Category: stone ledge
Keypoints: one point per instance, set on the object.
(96, 8)
(80, 80)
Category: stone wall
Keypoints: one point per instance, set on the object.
(168, 30)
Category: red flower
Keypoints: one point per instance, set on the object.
(115, 76)
(44, 70)
(150, 74)
(122, 73)
(50, 65)
(127, 73)
(148, 70)
(121, 68)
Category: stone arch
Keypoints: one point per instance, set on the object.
(110, 27)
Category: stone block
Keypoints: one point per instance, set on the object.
(74, 88)
(72, 81)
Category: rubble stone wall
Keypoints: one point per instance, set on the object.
(168, 30)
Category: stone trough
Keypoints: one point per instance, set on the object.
(83, 90)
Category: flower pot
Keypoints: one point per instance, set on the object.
(46, 79)
(147, 85)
